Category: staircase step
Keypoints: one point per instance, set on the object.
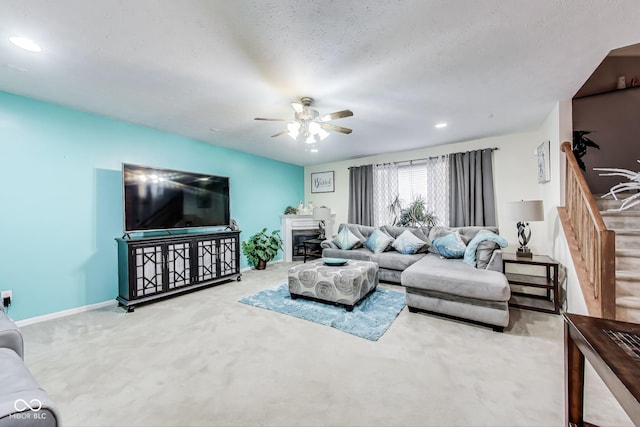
(628, 309)
(609, 203)
(627, 238)
(624, 219)
(628, 260)
(627, 283)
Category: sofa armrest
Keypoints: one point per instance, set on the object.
(328, 244)
(495, 263)
(10, 336)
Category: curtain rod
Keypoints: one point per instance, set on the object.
(426, 158)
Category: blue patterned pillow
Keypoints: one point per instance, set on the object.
(345, 239)
(408, 243)
(450, 245)
(482, 236)
(378, 241)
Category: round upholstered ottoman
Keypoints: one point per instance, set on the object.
(345, 285)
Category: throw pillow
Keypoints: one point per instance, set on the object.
(345, 239)
(378, 241)
(470, 256)
(484, 253)
(408, 243)
(450, 245)
(355, 229)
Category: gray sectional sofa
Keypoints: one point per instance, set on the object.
(22, 401)
(474, 291)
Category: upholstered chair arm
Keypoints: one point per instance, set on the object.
(495, 263)
(328, 244)
(10, 336)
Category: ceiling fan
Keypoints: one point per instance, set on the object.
(310, 125)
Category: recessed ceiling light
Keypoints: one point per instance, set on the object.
(441, 125)
(25, 43)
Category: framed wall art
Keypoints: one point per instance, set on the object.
(322, 182)
(544, 174)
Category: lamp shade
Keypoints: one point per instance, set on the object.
(525, 210)
(321, 214)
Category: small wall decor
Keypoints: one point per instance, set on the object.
(322, 182)
(544, 174)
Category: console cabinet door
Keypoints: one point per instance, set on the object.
(206, 260)
(229, 262)
(147, 272)
(178, 263)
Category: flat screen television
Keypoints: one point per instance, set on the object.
(164, 199)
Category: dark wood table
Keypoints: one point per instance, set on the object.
(548, 303)
(610, 347)
(312, 249)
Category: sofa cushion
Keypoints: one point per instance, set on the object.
(470, 254)
(484, 253)
(393, 260)
(450, 245)
(408, 243)
(453, 276)
(361, 254)
(378, 241)
(345, 239)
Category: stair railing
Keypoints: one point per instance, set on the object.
(594, 251)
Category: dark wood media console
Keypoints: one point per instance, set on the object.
(151, 268)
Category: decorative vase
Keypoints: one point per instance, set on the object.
(262, 264)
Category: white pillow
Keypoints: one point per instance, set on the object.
(408, 243)
(378, 241)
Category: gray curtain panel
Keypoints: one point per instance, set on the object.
(361, 195)
(471, 195)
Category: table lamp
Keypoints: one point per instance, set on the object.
(524, 211)
(321, 214)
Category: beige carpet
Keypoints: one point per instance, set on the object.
(205, 359)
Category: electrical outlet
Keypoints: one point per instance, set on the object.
(6, 297)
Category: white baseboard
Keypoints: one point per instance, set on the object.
(64, 313)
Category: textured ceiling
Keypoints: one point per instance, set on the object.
(205, 69)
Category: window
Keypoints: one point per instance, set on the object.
(427, 178)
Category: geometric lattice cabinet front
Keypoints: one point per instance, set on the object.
(150, 268)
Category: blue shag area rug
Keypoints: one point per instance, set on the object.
(370, 319)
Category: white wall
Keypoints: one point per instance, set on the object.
(557, 128)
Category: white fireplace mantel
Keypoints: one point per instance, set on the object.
(288, 223)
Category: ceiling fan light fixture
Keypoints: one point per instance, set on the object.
(25, 44)
(294, 130)
(322, 134)
(311, 139)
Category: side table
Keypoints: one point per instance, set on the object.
(548, 303)
(312, 249)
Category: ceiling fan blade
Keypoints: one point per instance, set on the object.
(271, 120)
(279, 133)
(336, 115)
(334, 128)
(297, 106)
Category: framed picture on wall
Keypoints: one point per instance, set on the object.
(322, 182)
(544, 175)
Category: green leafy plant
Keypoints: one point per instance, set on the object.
(262, 247)
(414, 215)
(290, 210)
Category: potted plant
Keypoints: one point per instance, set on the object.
(580, 144)
(262, 248)
(414, 215)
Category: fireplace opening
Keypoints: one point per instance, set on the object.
(297, 238)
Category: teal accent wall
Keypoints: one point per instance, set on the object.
(61, 198)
